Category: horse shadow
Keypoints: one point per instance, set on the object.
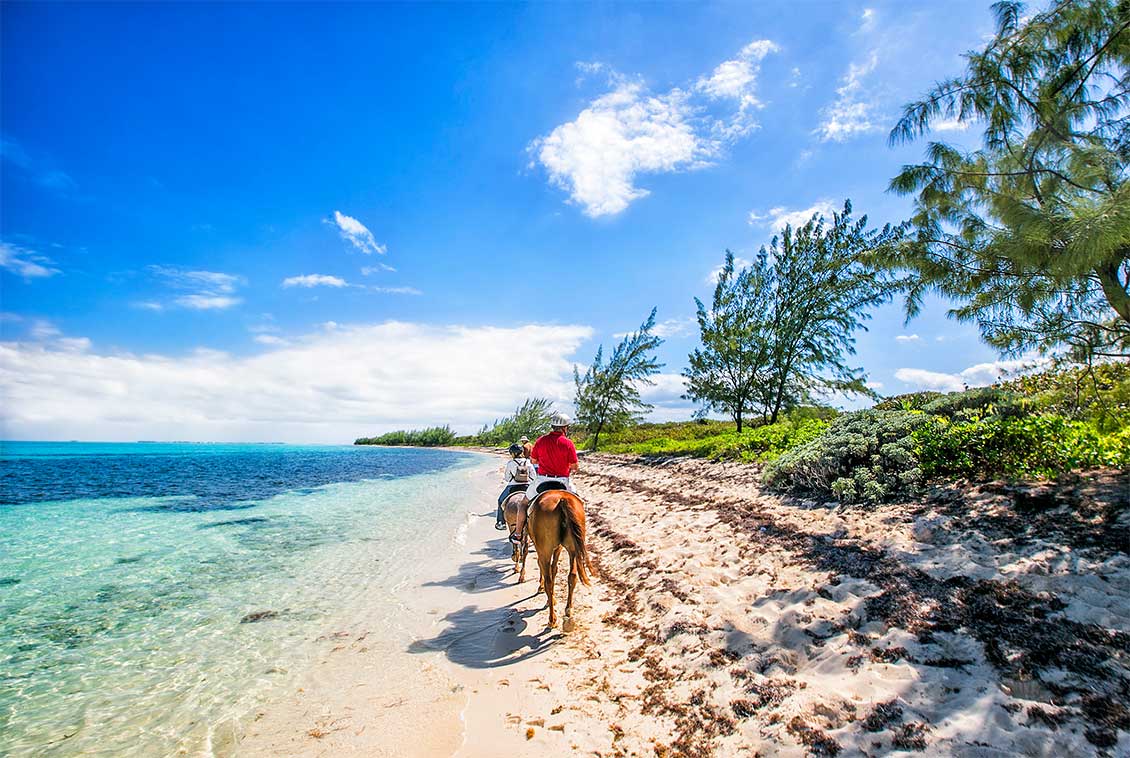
(484, 638)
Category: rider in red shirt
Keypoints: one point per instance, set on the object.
(555, 456)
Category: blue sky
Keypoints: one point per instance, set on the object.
(311, 222)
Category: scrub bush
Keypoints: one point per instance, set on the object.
(1025, 447)
(863, 457)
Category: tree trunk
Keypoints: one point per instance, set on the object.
(1115, 290)
(738, 418)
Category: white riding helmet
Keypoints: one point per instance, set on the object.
(559, 419)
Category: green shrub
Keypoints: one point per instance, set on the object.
(767, 443)
(759, 444)
(432, 437)
(913, 401)
(1032, 446)
(862, 457)
(980, 401)
(1100, 393)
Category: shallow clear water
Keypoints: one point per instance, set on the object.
(129, 574)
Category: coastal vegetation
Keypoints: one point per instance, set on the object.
(608, 394)
(435, 436)
(531, 418)
(780, 329)
(1028, 236)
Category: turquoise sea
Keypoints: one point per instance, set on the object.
(153, 594)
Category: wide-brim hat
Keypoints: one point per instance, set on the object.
(523, 438)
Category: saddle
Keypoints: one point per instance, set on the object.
(549, 486)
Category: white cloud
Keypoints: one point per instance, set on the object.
(396, 290)
(621, 134)
(329, 386)
(207, 302)
(737, 78)
(979, 375)
(357, 234)
(629, 131)
(367, 270)
(906, 338)
(26, 263)
(780, 217)
(206, 290)
(672, 327)
(949, 125)
(269, 339)
(739, 264)
(314, 280)
(852, 113)
(875, 386)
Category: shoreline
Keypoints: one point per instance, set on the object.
(725, 620)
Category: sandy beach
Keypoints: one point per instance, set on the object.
(980, 621)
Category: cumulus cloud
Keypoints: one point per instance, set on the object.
(357, 234)
(666, 394)
(853, 111)
(737, 79)
(630, 131)
(907, 338)
(314, 280)
(204, 290)
(979, 375)
(329, 386)
(780, 217)
(26, 263)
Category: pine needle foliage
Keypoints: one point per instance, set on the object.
(1030, 233)
(608, 394)
(780, 331)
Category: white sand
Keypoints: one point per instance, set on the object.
(702, 637)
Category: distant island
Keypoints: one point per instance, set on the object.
(436, 436)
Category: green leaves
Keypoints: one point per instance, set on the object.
(608, 396)
(531, 418)
(781, 329)
(1031, 233)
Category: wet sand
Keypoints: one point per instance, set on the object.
(980, 621)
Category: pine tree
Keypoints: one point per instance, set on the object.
(608, 395)
(1030, 234)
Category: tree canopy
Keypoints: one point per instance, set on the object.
(531, 418)
(608, 394)
(1030, 233)
(781, 329)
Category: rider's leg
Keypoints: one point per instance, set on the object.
(519, 525)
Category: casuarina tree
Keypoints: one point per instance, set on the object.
(779, 332)
(724, 374)
(608, 394)
(1030, 233)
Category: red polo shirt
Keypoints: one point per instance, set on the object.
(553, 453)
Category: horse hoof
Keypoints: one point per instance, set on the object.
(552, 623)
(568, 625)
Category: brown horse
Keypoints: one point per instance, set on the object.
(518, 553)
(556, 520)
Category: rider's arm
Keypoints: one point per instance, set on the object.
(573, 468)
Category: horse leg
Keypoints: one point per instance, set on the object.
(567, 625)
(525, 552)
(544, 569)
(550, 584)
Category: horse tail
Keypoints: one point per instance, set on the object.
(573, 512)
